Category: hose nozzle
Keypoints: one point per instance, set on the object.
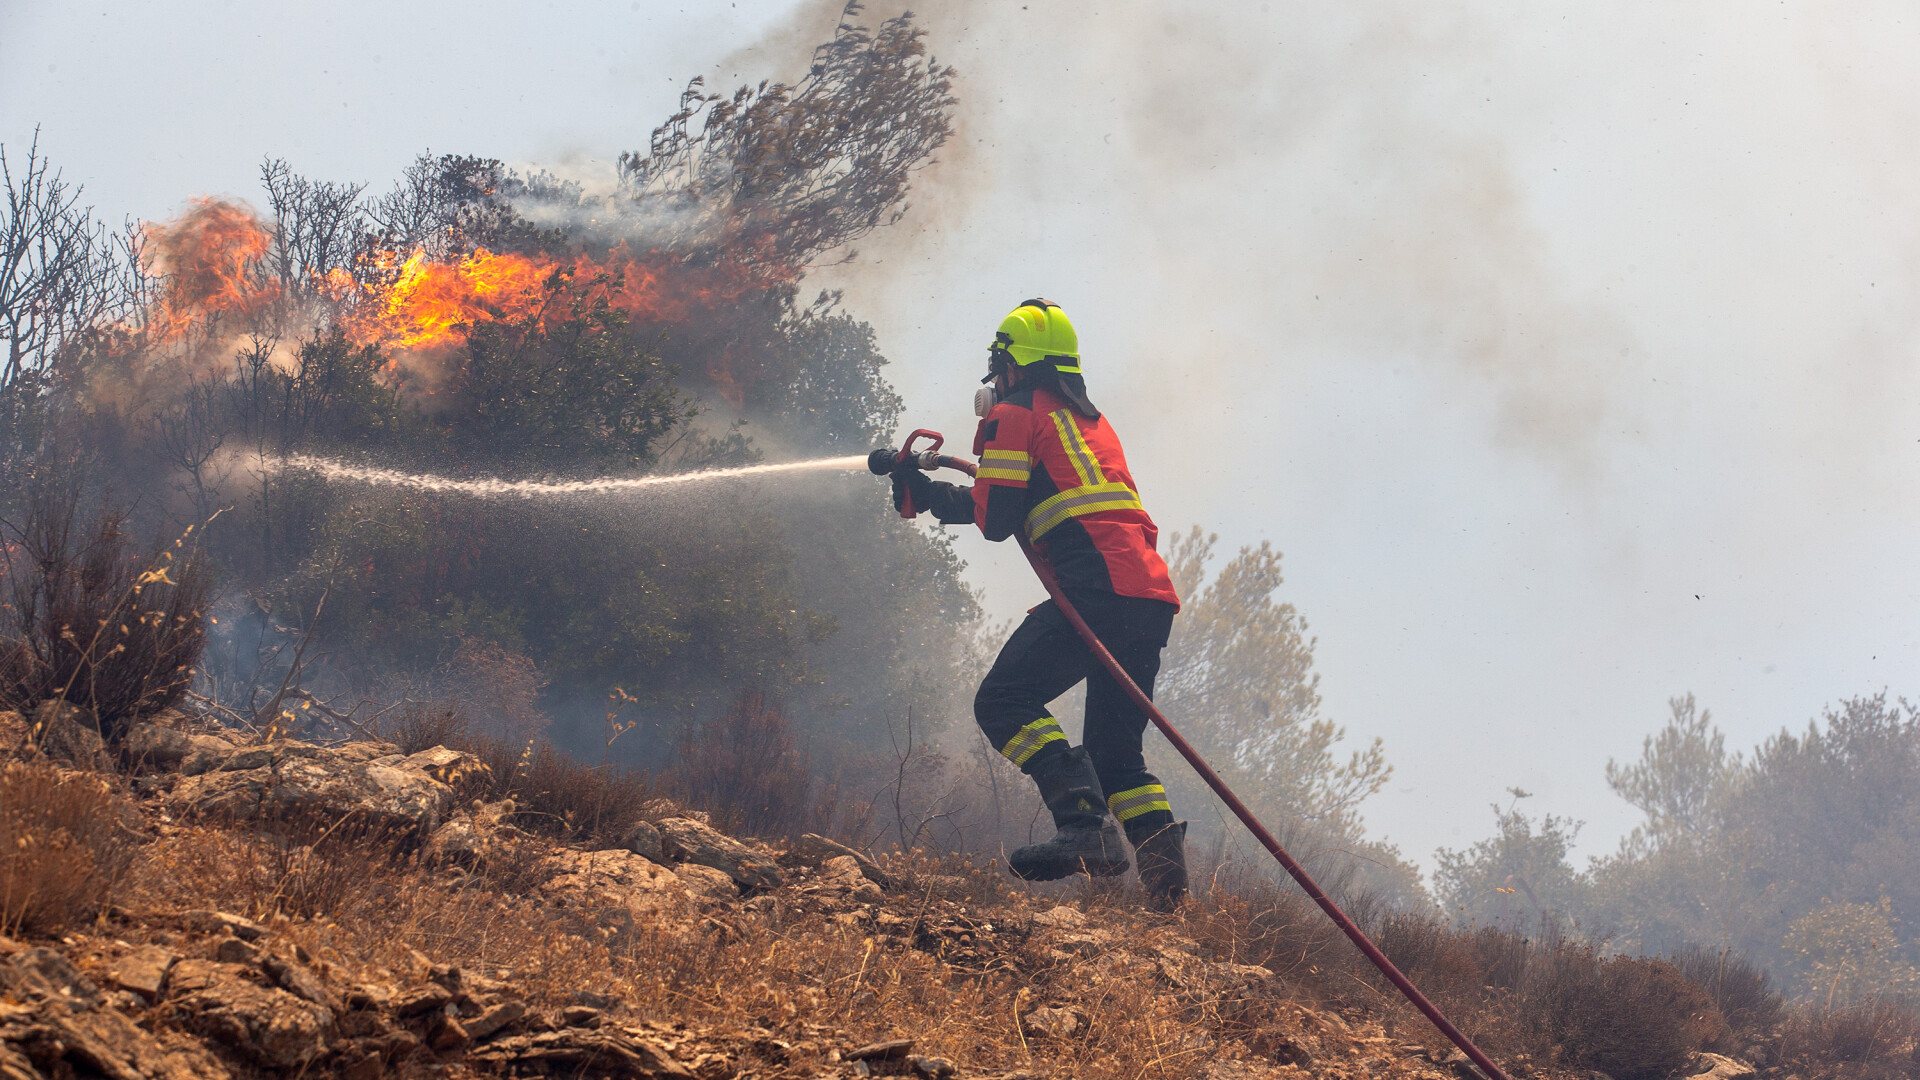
(882, 461)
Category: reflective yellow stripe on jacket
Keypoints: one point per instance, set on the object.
(1077, 502)
(1094, 495)
(1085, 464)
(1013, 465)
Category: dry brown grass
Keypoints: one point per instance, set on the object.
(847, 978)
(1550, 1002)
(303, 866)
(63, 846)
(1253, 921)
(946, 962)
(365, 905)
(556, 796)
(816, 980)
(1878, 1038)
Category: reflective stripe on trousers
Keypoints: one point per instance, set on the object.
(1028, 740)
(1128, 805)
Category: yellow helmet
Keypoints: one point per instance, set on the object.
(1038, 332)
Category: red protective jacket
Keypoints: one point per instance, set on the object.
(1063, 480)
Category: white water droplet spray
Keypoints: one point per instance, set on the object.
(495, 488)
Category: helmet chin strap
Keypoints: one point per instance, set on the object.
(999, 362)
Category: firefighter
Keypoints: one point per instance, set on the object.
(1051, 466)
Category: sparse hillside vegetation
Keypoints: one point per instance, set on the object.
(250, 908)
(301, 776)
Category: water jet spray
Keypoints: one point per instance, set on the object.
(493, 487)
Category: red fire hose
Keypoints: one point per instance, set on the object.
(930, 460)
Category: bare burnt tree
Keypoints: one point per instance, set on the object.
(188, 434)
(318, 226)
(60, 272)
(426, 208)
(445, 207)
(777, 175)
(63, 278)
(52, 285)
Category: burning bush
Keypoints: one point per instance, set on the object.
(565, 385)
(90, 622)
(475, 320)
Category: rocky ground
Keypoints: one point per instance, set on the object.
(405, 928)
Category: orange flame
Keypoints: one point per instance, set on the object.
(429, 305)
(211, 264)
(209, 260)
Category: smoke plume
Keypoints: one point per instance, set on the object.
(1554, 347)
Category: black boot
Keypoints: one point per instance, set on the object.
(1161, 852)
(1087, 840)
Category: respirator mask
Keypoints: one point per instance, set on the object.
(998, 361)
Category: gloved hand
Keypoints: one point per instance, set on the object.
(909, 481)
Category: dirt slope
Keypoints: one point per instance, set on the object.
(291, 909)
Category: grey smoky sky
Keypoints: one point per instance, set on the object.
(1567, 351)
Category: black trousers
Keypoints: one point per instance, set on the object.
(1044, 659)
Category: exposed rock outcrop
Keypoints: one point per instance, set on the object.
(267, 1024)
(1720, 1067)
(815, 849)
(617, 889)
(600, 1051)
(165, 742)
(56, 1022)
(56, 731)
(371, 781)
(684, 839)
